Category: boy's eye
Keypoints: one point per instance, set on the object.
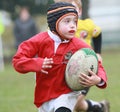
(75, 20)
(67, 21)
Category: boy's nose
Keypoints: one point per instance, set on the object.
(73, 25)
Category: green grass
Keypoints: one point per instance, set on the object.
(17, 91)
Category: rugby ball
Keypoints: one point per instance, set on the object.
(80, 62)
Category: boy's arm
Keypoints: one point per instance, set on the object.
(99, 79)
(102, 75)
(24, 60)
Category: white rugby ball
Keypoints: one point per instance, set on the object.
(80, 62)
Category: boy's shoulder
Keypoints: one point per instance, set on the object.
(42, 35)
(79, 42)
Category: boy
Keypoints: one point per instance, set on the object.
(51, 92)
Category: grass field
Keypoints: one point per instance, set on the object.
(17, 91)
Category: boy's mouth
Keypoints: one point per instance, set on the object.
(72, 31)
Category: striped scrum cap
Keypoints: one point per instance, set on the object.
(58, 10)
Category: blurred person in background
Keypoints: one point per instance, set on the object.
(2, 29)
(24, 27)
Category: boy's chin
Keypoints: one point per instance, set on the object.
(69, 37)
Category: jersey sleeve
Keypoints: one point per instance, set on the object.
(25, 60)
(102, 75)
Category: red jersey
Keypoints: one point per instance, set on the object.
(30, 56)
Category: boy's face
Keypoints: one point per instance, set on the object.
(67, 26)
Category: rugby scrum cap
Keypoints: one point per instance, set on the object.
(57, 11)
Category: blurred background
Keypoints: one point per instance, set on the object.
(16, 94)
(105, 14)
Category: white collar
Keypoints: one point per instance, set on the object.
(56, 38)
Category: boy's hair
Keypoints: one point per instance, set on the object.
(58, 10)
(77, 2)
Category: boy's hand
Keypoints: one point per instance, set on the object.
(47, 63)
(87, 81)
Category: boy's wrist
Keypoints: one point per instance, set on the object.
(101, 83)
